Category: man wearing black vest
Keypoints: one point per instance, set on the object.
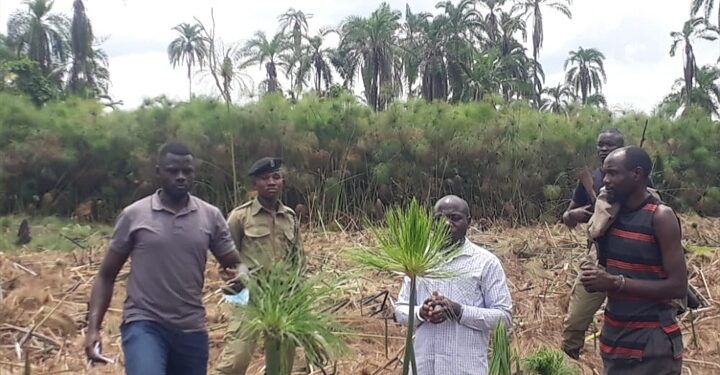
(642, 269)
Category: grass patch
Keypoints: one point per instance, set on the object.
(51, 233)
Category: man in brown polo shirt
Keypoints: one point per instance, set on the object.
(166, 235)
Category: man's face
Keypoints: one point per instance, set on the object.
(176, 174)
(607, 143)
(455, 218)
(269, 185)
(619, 181)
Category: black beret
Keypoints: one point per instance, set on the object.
(265, 165)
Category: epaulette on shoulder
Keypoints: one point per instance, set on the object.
(244, 205)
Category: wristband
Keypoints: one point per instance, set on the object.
(622, 284)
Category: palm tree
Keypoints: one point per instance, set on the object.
(705, 94)
(296, 21)
(82, 38)
(492, 19)
(267, 52)
(346, 65)
(370, 45)
(457, 41)
(411, 45)
(557, 99)
(89, 75)
(708, 6)
(695, 28)
(588, 72)
(533, 9)
(515, 66)
(484, 76)
(188, 48)
(40, 34)
(433, 68)
(315, 62)
(597, 100)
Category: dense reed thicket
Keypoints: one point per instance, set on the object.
(343, 160)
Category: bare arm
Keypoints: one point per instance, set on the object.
(668, 235)
(103, 288)
(230, 260)
(231, 270)
(577, 213)
(100, 297)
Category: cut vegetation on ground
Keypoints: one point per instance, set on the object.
(45, 293)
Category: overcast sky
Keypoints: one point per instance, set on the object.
(633, 34)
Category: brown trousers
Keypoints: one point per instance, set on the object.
(581, 311)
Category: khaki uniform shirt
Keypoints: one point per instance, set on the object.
(264, 237)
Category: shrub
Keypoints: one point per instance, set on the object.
(511, 162)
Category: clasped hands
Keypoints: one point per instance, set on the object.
(438, 308)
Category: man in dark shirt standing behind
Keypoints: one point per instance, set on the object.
(167, 236)
(584, 305)
(642, 267)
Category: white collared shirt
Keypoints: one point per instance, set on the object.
(478, 284)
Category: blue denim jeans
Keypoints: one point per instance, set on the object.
(153, 349)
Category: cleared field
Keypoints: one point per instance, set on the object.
(47, 291)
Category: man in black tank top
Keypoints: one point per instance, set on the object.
(643, 268)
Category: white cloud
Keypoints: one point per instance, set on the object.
(634, 35)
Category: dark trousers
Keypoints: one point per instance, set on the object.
(153, 349)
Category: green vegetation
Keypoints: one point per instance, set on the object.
(548, 362)
(47, 55)
(52, 234)
(501, 352)
(342, 158)
(284, 312)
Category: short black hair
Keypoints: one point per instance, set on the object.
(636, 157)
(614, 131)
(175, 148)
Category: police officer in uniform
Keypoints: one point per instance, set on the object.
(265, 231)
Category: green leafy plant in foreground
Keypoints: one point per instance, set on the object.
(548, 362)
(500, 360)
(285, 311)
(410, 244)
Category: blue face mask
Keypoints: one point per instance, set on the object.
(241, 298)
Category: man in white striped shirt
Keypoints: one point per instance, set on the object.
(459, 313)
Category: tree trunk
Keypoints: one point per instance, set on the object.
(189, 82)
(689, 70)
(409, 358)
